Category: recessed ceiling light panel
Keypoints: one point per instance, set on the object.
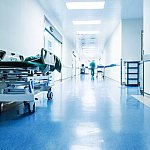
(87, 32)
(85, 5)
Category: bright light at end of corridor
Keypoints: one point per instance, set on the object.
(85, 5)
(87, 32)
(86, 22)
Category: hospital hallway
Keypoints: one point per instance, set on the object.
(84, 114)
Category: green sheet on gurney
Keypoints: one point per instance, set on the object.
(38, 59)
(33, 62)
(58, 65)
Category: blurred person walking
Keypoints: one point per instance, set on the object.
(92, 67)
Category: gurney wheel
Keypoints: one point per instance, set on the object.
(50, 95)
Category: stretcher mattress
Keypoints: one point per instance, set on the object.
(21, 64)
(45, 60)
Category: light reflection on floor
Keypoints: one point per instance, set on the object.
(84, 114)
(81, 147)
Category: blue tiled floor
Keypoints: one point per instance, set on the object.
(85, 114)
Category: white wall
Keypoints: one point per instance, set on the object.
(146, 27)
(77, 65)
(147, 77)
(21, 26)
(66, 59)
(131, 39)
(124, 43)
(147, 45)
(112, 54)
(22, 30)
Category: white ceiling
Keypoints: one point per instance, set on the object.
(110, 16)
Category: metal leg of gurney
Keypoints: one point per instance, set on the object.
(50, 94)
(49, 91)
(0, 107)
(30, 106)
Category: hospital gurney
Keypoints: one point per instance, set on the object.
(22, 79)
(100, 70)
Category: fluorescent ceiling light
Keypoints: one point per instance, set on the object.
(87, 32)
(89, 51)
(85, 5)
(86, 22)
(89, 47)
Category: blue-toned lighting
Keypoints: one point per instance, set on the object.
(85, 5)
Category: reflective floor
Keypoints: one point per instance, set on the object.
(85, 114)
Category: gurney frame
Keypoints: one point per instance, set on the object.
(22, 84)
